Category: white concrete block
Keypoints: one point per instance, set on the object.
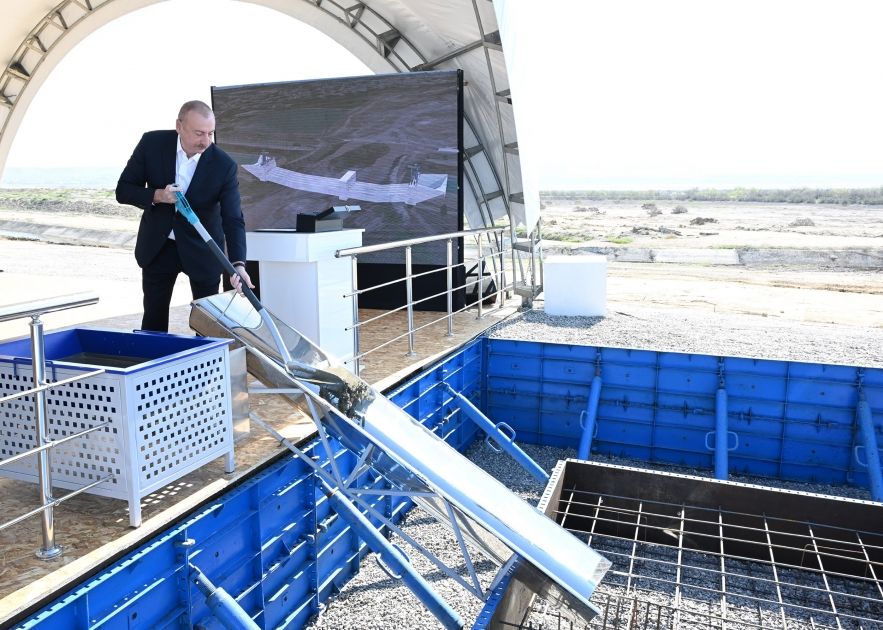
(575, 285)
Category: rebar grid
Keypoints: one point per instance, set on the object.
(682, 566)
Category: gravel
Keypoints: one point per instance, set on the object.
(373, 600)
(707, 333)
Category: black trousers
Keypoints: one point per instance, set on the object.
(158, 282)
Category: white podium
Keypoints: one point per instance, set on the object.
(303, 284)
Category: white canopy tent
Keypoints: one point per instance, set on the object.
(387, 35)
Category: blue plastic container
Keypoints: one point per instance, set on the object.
(97, 347)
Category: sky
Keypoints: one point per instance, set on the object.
(624, 94)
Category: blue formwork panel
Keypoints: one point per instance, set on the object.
(150, 586)
(514, 358)
(275, 545)
(684, 408)
(273, 542)
(260, 542)
(538, 390)
(338, 557)
(426, 399)
(786, 420)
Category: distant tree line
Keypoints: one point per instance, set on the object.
(842, 196)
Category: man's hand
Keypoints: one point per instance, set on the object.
(166, 195)
(237, 278)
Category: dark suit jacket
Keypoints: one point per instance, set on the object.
(213, 194)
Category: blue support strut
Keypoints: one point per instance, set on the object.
(394, 559)
(591, 413)
(223, 606)
(721, 433)
(506, 442)
(872, 452)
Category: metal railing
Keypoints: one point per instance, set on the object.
(35, 310)
(492, 250)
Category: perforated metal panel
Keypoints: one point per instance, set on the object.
(182, 415)
(163, 422)
(71, 408)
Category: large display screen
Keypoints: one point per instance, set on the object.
(385, 147)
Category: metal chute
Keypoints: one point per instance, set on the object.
(477, 507)
(413, 459)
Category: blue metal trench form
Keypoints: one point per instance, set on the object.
(274, 544)
(783, 419)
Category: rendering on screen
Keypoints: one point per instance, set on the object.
(383, 149)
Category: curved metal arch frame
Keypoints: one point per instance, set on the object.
(366, 22)
(32, 51)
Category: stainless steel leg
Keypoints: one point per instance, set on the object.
(44, 470)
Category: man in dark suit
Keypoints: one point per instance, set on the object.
(185, 159)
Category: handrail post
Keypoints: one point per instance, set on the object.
(478, 289)
(501, 274)
(504, 290)
(450, 287)
(512, 239)
(356, 327)
(409, 288)
(44, 470)
(536, 267)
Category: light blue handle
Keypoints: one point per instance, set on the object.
(183, 206)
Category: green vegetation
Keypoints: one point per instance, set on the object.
(841, 196)
(97, 202)
(30, 194)
(620, 240)
(573, 236)
(55, 195)
(569, 238)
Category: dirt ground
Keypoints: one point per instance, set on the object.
(804, 289)
(849, 298)
(715, 225)
(34, 270)
(800, 291)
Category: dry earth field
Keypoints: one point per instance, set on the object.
(806, 276)
(809, 279)
(731, 225)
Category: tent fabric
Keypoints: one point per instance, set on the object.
(387, 35)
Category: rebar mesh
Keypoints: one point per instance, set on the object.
(677, 565)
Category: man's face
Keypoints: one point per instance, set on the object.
(196, 132)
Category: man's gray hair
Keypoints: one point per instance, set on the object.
(195, 106)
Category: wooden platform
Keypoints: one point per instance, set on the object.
(92, 530)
